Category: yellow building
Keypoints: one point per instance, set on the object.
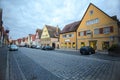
(50, 36)
(68, 36)
(97, 29)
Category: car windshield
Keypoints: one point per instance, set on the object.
(13, 46)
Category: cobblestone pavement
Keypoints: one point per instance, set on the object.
(98, 54)
(33, 64)
(24, 68)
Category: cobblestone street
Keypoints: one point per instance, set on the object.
(33, 64)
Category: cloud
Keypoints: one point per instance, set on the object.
(24, 17)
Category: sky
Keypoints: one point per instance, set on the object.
(23, 17)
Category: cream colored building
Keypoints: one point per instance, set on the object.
(50, 36)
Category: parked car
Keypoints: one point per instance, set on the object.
(37, 47)
(87, 50)
(42, 47)
(47, 48)
(13, 47)
(8, 46)
(33, 46)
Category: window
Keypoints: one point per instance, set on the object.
(105, 45)
(106, 30)
(70, 35)
(82, 44)
(91, 12)
(82, 33)
(69, 45)
(73, 45)
(96, 31)
(93, 21)
(64, 36)
(96, 20)
(88, 32)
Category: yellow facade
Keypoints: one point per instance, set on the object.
(47, 40)
(97, 29)
(45, 37)
(68, 40)
(45, 33)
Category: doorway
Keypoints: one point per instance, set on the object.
(93, 44)
(53, 45)
(105, 45)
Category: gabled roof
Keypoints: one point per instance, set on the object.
(98, 9)
(71, 27)
(53, 32)
(39, 32)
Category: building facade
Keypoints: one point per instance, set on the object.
(1, 27)
(97, 29)
(38, 36)
(68, 36)
(50, 36)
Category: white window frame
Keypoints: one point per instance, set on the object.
(106, 30)
(93, 21)
(64, 35)
(96, 31)
(71, 35)
(82, 33)
(88, 32)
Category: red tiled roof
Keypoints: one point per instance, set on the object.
(53, 31)
(71, 27)
(39, 31)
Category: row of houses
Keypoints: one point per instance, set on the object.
(49, 35)
(4, 33)
(96, 29)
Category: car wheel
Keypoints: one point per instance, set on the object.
(93, 52)
(81, 52)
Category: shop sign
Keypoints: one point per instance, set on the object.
(67, 40)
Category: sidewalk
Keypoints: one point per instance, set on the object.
(61, 49)
(102, 51)
(99, 54)
(3, 62)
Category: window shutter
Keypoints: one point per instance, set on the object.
(111, 29)
(101, 30)
(84, 33)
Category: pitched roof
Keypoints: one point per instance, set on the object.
(53, 31)
(98, 9)
(71, 27)
(39, 32)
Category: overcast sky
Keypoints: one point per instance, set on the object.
(23, 17)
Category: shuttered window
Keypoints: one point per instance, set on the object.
(106, 30)
(96, 31)
(82, 33)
